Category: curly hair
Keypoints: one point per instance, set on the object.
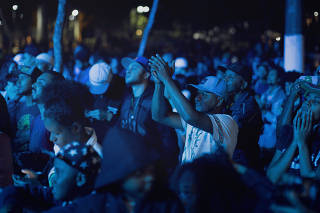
(66, 101)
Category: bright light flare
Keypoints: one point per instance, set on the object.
(75, 13)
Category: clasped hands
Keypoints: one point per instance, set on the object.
(160, 70)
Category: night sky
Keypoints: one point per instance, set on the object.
(201, 14)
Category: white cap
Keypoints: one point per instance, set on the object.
(98, 78)
(46, 57)
(18, 59)
(181, 62)
(214, 85)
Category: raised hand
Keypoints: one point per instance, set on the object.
(296, 88)
(154, 75)
(97, 114)
(162, 70)
(302, 125)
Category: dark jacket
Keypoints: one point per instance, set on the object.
(4, 117)
(112, 203)
(161, 136)
(6, 163)
(246, 112)
(29, 198)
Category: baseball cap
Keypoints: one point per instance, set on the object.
(143, 61)
(212, 84)
(244, 71)
(81, 157)
(98, 78)
(45, 57)
(181, 63)
(18, 58)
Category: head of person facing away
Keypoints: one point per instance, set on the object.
(77, 166)
(130, 166)
(210, 184)
(64, 104)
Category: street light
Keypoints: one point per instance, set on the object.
(140, 9)
(139, 32)
(315, 13)
(146, 9)
(143, 9)
(278, 38)
(75, 13)
(15, 7)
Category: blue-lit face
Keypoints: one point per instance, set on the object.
(135, 74)
(272, 77)
(24, 84)
(187, 190)
(205, 101)
(139, 183)
(59, 134)
(233, 80)
(262, 72)
(42, 81)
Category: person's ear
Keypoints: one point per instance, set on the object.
(75, 128)
(220, 101)
(244, 85)
(110, 76)
(80, 179)
(146, 75)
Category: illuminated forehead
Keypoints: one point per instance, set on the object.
(136, 65)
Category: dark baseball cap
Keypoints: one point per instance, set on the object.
(142, 61)
(244, 71)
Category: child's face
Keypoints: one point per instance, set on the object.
(139, 183)
(187, 190)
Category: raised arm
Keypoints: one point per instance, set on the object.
(281, 161)
(184, 108)
(160, 112)
(288, 111)
(302, 129)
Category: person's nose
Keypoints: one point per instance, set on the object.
(52, 138)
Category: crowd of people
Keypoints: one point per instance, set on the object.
(230, 134)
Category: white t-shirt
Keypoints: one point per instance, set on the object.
(199, 142)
